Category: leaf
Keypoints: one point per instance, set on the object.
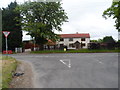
(41, 19)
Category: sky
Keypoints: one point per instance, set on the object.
(85, 16)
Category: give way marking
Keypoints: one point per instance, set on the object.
(67, 62)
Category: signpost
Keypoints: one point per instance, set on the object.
(6, 33)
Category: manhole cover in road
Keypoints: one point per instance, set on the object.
(67, 62)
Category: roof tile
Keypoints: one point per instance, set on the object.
(85, 35)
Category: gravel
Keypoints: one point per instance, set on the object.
(25, 80)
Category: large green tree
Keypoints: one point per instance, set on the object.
(108, 39)
(10, 24)
(41, 19)
(110, 42)
(114, 11)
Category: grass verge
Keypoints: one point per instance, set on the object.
(8, 64)
(77, 51)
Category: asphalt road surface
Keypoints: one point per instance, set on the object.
(82, 70)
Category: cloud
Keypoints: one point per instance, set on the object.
(26, 37)
(86, 17)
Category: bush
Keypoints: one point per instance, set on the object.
(94, 46)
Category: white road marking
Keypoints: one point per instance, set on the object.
(67, 64)
(100, 62)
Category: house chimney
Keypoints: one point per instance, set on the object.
(76, 32)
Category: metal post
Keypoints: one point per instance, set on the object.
(34, 44)
(6, 46)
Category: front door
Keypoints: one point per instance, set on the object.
(77, 46)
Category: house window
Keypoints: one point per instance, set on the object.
(71, 45)
(83, 44)
(70, 39)
(61, 45)
(61, 39)
(83, 39)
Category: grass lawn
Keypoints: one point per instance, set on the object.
(7, 65)
(77, 51)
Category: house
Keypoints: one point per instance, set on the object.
(74, 41)
(29, 45)
(69, 41)
(50, 45)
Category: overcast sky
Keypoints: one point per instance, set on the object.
(85, 16)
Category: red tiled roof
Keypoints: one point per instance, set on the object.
(85, 35)
(50, 42)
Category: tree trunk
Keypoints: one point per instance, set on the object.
(41, 47)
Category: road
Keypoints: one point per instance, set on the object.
(82, 70)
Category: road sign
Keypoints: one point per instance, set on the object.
(6, 33)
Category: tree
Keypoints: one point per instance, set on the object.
(41, 19)
(114, 11)
(10, 24)
(93, 41)
(108, 39)
(100, 40)
(118, 44)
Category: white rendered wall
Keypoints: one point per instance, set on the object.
(67, 42)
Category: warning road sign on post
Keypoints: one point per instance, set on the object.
(6, 33)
